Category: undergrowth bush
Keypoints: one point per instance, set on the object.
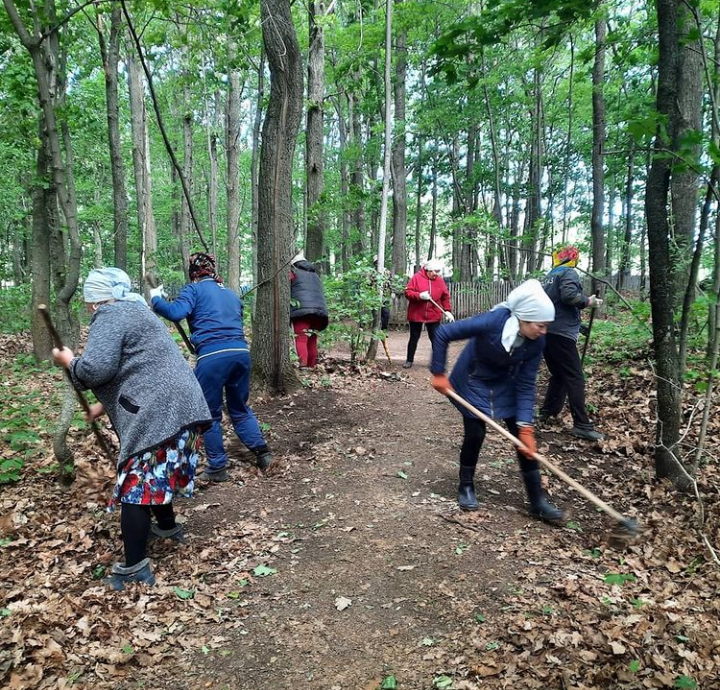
(15, 308)
(353, 300)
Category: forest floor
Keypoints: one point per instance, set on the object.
(349, 566)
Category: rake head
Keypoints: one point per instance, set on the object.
(624, 533)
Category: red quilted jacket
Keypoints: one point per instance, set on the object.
(425, 311)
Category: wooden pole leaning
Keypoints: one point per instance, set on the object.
(57, 341)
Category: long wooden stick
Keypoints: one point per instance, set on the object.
(57, 340)
(542, 460)
(387, 352)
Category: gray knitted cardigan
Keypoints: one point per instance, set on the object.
(139, 375)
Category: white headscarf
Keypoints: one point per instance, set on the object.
(298, 257)
(433, 265)
(527, 302)
(103, 284)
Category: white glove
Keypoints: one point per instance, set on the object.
(448, 316)
(594, 302)
(157, 292)
(425, 295)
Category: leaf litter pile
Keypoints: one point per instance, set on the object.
(496, 600)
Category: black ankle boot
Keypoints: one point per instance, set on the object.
(540, 507)
(466, 491)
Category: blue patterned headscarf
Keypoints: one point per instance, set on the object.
(103, 284)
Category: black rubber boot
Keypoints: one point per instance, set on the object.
(540, 507)
(263, 457)
(466, 491)
(123, 575)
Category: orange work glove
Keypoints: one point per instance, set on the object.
(527, 435)
(441, 383)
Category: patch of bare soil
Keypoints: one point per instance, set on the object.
(350, 565)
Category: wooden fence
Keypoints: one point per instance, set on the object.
(468, 299)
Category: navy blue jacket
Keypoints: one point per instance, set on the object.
(213, 312)
(499, 383)
(564, 288)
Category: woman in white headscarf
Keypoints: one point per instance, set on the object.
(496, 373)
(155, 404)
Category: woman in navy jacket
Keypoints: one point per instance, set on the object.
(215, 316)
(496, 373)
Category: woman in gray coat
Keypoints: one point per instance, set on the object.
(156, 407)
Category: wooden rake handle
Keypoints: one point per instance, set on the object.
(57, 341)
(542, 460)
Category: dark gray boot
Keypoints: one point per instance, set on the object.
(466, 491)
(540, 507)
(122, 575)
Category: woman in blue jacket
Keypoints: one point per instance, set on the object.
(215, 316)
(496, 373)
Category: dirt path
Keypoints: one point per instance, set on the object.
(363, 508)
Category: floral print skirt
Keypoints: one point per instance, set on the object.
(155, 476)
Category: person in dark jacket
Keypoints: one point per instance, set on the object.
(567, 380)
(215, 316)
(156, 407)
(496, 373)
(308, 311)
(425, 291)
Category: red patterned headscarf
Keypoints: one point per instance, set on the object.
(566, 256)
(201, 265)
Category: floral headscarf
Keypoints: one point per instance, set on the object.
(566, 256)
(201, 265)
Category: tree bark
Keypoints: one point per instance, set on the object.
(314, 134)
(597, 228)
(254, 161)
(141, 168)
(232, 183)
(399, 173)
(271, 341)
(110, 54)
(661, 266)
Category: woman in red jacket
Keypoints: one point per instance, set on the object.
(425, 288)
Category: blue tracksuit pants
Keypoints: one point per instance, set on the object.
(227, 372)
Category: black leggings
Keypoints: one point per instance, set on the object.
(135, 526)
(415, 331)
(473, 440)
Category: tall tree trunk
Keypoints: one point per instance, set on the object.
(141, 167)
(110, 54)
(661, 265)
(387, 162)
(568, 145)
(357, 186)
(624, 262)
(399, 199)
(271, 342)
(314, 133)
(345, 220)
(684, 183)
(45, 54)
(232, 182)
(183, 238)
(597, 229)
(254, 161)
(43, 195)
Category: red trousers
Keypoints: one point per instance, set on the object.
(305, 328)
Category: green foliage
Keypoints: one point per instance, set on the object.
(23, 417)
(354, 299)
(14, 309)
